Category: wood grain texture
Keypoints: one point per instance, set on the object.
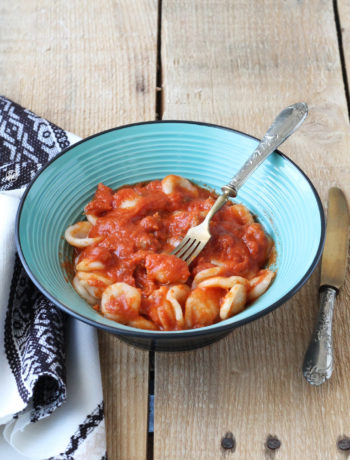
(90, 66)
(85, 65)
(343, 10)
(238, 64)
(125, 388)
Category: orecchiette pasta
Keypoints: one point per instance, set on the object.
(205, 274)
(260, 284)
(82, 287)
(172, 183)
(177, 295)
(166, 316)
(128, 204)
(234, 301)
(77, 235)
(94, 278)
(93, 283)
(87, 265)
(119, 298)
(142, 323)
(243, 213)
(174, 242)
(92, 219)
(202, 308)
(222, 282)
(124, 269)
(166, 268)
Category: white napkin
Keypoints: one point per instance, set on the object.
(44, 413)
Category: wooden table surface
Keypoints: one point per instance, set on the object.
(91, 65)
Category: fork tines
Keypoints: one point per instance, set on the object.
(188, 249)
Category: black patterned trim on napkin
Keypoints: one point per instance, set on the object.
(27, 142)
(34, 327)
(34, 345)
(89, 424)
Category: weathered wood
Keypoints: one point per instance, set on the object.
(125, 387)
(85, 65)
(90, 66)
(238, 64)
(343, 11)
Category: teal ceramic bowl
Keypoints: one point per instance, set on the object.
(278, 193)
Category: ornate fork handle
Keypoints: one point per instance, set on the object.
(318, 362)
(284, 125)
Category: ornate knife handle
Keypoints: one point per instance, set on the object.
(284, 125)
(318, 362)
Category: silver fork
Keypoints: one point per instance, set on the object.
(284, 125)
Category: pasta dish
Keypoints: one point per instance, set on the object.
(124, 269)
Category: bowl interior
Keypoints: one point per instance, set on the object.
(278, 193)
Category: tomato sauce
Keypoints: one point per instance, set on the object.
(138, 226)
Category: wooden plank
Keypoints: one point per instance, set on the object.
(89, 66)
(84, 65)
(125, 387)
(343, 11)
(238, 64)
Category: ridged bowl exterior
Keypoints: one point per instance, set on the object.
(278, 193)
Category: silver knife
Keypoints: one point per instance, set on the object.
(318, 362)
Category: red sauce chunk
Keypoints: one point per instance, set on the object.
(124, 268)
(166, 269)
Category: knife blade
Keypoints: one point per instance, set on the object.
(335, 253)
(318, 361)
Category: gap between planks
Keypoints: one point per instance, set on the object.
(158, 116)
(341, 53)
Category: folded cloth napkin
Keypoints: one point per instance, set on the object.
(51, 402)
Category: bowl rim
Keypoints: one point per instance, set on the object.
(143, 333)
